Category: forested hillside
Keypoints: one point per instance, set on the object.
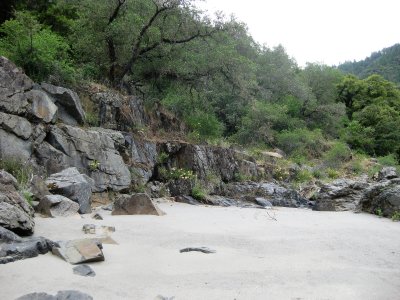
(385, 63)
(209, 73)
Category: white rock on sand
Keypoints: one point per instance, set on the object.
(302, 255)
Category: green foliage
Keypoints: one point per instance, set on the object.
(162, 157)
(373, 106)
(396, 216)
(332, 173)
(198, 192)
(22, 171)
(94, 165)
(92, 119)
(304, 176)
(176, 173)
(310, 144)
(28, 196)
(337, 154)
(205, 125)
(42, 53)
(384, 63)
(388, 160)
(379, 212)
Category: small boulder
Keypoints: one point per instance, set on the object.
(57, 206)
(61, 295)
(73, 185)
(89, 229)
(84, 270)
(79, 251)
(136, 204)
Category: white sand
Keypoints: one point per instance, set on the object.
(303, 255)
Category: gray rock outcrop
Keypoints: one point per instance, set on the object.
(340, 195)
(73, 185)
(92, 150)
(277, 195)
(136, 204)
(68, 102)
(15, 212)
(382, 197)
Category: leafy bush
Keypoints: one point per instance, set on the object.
(20, 170)
(176, 173)
(42, 53)
(337, 154)
(92, 119)
(198, 192)
(332, 173)
(304, 176)
(205, 125)
(304, 142)
(396, 216)
(388, 160)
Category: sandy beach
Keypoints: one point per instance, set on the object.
(303, 255)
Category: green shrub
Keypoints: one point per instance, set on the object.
(302, 142)
(28, 196)
(22, 171)
(198, 192)
(337, 154)
(304, 176)
(205, 125)
(162, 157)
(176, 173)
(396, 216)
(43, 54)
(92, 119)
(388, 160)
(332, 173)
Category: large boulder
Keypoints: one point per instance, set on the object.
(24, 248)
(136, 204)
(92, 151)
(73, 185)
(68, 102)
(340, 195)
(277, 195)
(79, 251)
(57, 206)
(383, 197)
(15, 212)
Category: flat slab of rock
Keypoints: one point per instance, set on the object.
(73, 185)
(198, 249)
(62, 295)
(136, 204)
(79, 251)
(84, 270)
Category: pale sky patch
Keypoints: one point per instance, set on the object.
(323, 31)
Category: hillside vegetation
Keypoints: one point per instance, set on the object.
(210, 73)
(385, 63)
